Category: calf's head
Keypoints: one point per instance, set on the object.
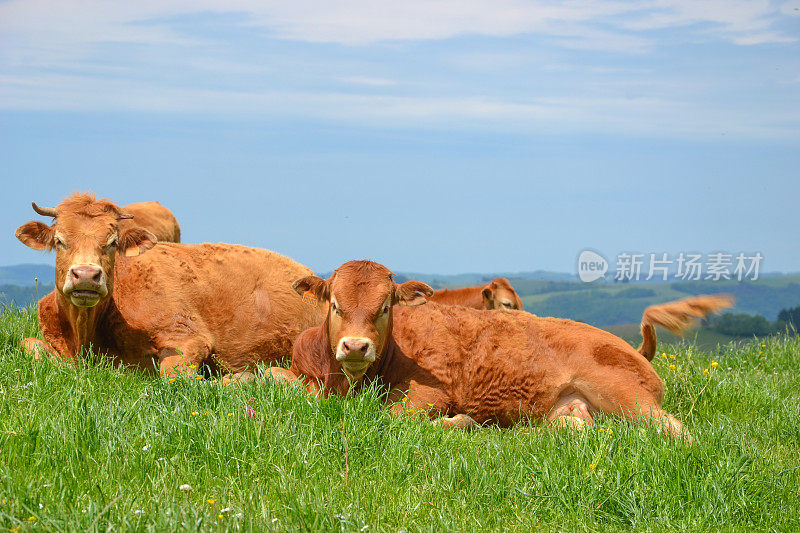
(499, 294)
(86, 237)
(360, 296)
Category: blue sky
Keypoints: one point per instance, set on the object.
(436, 136)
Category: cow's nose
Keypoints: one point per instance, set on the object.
(355, 345)
(86, 274)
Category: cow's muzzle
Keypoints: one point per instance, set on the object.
(85, 285)
(355, 355)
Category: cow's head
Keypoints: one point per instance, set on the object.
(360, 296)
(499, 294)
(86, 237)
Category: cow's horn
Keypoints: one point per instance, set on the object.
(124, 215)
(45, 211)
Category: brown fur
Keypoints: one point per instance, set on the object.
(499, 294)
(496, 367)
(153, 217)
(175, 305)
(677, 317)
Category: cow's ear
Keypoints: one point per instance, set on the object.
(318, 287)
(412, 293)
(487, 294)
(136, 241)
(37, 235)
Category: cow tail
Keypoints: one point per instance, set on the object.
(677, 316)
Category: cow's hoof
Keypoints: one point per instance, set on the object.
(239, 378)
(571, 422)
(459, 421)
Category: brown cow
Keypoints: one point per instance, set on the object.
(151, 216)
(471, 365)
(173, 307)
(499, 294)
(155, 218)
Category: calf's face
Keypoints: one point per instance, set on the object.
(86, 238)
(360, 296)
(499, 294)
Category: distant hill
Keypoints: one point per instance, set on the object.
(24, 275)
(440, 281)
(616, 303)
(702, 337)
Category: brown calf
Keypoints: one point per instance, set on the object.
(499, 294)
(174, 307)
(470, 365)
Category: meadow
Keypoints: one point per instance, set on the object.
(93, 448)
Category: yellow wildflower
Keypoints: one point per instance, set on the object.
(610, 431)
(592, 466)
(663, 356)
(672, 356)
(212, 501)
(31, 519)
(714, 364)
(601, 430)
(198, 377)
(220, 516)
(172, 380)
(672, 367)
(705, 371)
(230, 414)
(192, 366)
(195, 413)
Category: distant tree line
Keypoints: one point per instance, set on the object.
(746, 325)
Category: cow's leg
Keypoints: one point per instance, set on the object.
(37, 348)
(417, 398)
(459, 421)
(280, 375)
(636, 397)
(666, 423)
(183, 358)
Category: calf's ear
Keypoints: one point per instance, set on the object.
(135, 241)
(487, 294)
(412, 293)
(316, 286)
(37, 235)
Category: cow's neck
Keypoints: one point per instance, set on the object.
(84, 322)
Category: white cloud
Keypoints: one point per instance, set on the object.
(369, 81)
(599, 115)
(33, 24)
(169, 69)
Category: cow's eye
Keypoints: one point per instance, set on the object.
(336, 309)
(385, 309)
(111, 244)
(60, 244)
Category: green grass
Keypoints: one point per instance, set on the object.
(84, 448)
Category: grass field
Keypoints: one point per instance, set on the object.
(90, 448)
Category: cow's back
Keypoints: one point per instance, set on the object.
(236, 299)
(155, 218)
(498, 365)
(464, 296)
